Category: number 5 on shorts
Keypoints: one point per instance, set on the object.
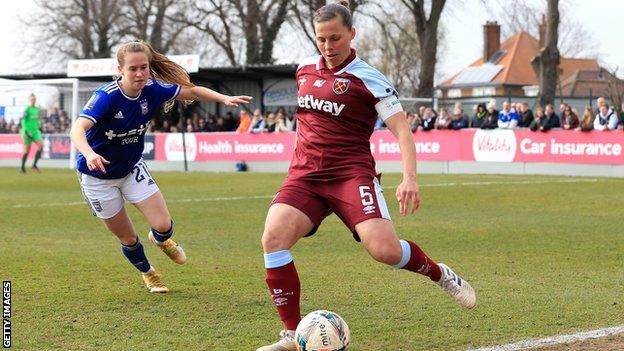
(366, 195)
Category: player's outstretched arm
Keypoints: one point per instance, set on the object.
(205, 94)
(79, 138)
(408, 194)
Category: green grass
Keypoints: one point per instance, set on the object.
(545, 258)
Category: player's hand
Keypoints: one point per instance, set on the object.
(233, 101)
(408, 195)
(96, 162)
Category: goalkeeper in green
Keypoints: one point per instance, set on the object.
(31, 133)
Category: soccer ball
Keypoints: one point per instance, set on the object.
(322, 331)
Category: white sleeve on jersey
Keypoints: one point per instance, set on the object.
(388, 106)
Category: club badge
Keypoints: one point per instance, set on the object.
(144, 109)
(341, 85)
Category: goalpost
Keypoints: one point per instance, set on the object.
(62, 82)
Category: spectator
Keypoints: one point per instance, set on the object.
(421, 110)
(444, 120)
(53, 117)
(569, 119)
(258, 123)
(536, 122)
(587, 122)
(507, 118)
(491, 116)
(64, 123)
(289, 120)
(201, 125)
(428, 119)
(479, 116)
(599, 102)
(244, 122)
(459, 119)
(525, 116)
(550, 119)
(189, 127)
(606, 119)
(622, 114)
(280, 124)
(562, 108)
(220, 125)
(229, 122)
(271, 123)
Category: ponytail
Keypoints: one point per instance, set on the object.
(161, 68)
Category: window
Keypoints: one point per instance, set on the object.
(454, 93)
(483, 91)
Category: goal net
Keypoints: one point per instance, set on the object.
(59, 101)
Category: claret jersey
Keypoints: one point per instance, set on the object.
(336, 115)
(120, 125)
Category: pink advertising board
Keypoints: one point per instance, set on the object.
(556, 146)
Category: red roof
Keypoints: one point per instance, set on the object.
(519, 50)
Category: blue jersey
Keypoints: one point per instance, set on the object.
(120, 125)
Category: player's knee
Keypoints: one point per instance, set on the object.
(163, 224)
(385, 252)
(273, 241)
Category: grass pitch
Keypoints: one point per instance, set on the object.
(545, 255)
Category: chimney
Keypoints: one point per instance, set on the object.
(542, 32)
(491, 39)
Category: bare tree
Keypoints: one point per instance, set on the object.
(546, 63)
(77, 28)
(303, 14)
(392, 47)
(427, 33)
(518, 15)
(615, 89)
(154, 22)
(225, 21)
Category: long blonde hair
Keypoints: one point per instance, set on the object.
(161, 67)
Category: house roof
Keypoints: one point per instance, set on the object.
(591, 82)
(517, 52)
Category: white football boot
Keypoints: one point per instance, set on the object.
(458, 288)
(286, 342)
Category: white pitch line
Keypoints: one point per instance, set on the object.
(555, 340)
(255, 197)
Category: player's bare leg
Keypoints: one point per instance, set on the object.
(131, 247)
(284, 226)
(155, 211)
(382, 243)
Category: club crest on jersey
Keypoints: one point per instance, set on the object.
(143, 104)
(341, 85)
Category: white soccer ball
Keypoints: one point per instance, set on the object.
(322, 331)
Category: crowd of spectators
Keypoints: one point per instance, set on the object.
(518, 115)
(258, 122)
(484, 116)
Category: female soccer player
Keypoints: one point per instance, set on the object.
(31, 133)
(332, 170)
(109, 135)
